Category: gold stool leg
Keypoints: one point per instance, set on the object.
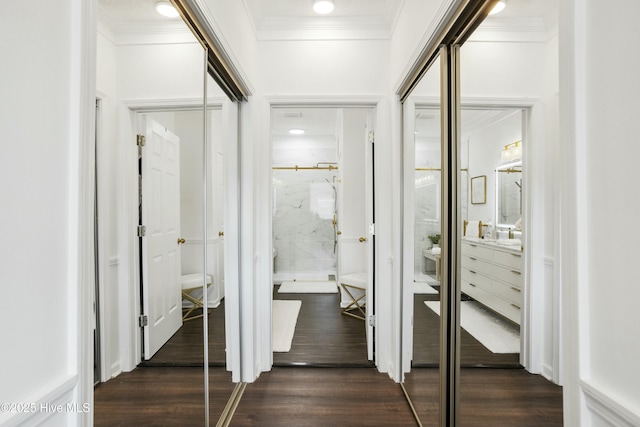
(355, 304)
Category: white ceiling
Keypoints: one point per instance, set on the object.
(287, 19)
(294, 19)
(131, 11)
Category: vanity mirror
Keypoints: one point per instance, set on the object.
(508, 194)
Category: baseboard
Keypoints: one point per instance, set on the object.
(115, 370)
(547, 371)
(607, 409)
(58, 402)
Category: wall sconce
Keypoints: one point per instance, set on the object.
(512, 151)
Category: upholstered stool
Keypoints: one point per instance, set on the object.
(190, 283)
(355, 283)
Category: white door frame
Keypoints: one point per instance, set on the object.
(537, 268)
(262, 268)
(128, 303)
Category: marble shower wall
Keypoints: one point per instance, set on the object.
(303, 233)
(427, 210)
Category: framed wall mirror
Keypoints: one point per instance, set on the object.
(508, 195)
(479, 190)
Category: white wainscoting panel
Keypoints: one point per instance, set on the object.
(56, 406)
(605, 410)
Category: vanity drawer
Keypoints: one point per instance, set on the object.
(476, 278)
(508, 275)
(510, 293)
(476, 251)
(476, 264)
(473, 290)
(508, 309)
(509, 259)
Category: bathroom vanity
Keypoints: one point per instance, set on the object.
(492, 275)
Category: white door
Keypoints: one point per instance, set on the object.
(355, 244)
(160, 215)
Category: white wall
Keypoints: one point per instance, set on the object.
(44, 293)
(235, 31)
(417, 21)
(599, 213)
(324, 67)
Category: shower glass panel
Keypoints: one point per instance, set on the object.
(305, 183)
(423, 210)
(304, 210)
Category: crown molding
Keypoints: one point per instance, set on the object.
(532, 30)
(324, 28)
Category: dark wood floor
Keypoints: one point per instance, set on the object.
(490, 398)
(161, 396)
(426, 342)
(167, 395)
(185, 348)
(286, 396)
(323, 335)
(323, 397)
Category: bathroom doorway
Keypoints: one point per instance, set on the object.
(322, 200)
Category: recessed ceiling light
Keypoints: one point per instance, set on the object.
(323, 7)
(165, 8)
(499, 7)
(296, 131)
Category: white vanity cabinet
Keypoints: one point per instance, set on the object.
(492, 275)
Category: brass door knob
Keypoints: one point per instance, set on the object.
(181, 240)
(220, 233)
(362, 239)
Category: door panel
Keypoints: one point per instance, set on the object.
(160, 214)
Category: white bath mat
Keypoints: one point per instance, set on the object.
(283, 324)
(493, 332)
(309, 287)
(423, 288)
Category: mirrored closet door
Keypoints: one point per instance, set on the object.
(423, 234)
(156, 90)
(494, 114)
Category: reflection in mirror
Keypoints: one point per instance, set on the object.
(485, 131)
(421, 325)
(151, 82)
(511, 74)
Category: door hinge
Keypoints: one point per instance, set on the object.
(372, 320)
(143, 320)
(372, 137)
(142, 231)
(140, 140)
(372, 229)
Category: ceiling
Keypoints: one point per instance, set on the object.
(295, 19)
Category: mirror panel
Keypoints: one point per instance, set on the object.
(423, 230)
(497, 68)
(150, 82)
